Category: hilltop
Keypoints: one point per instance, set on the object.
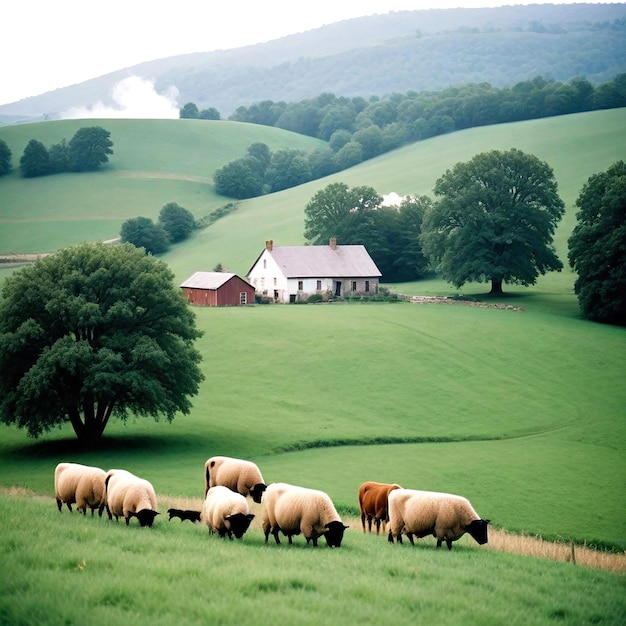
(379, 55)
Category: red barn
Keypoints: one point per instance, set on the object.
(217, 289)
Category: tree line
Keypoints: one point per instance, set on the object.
(493, 220)
(357, 129)
(86, 151)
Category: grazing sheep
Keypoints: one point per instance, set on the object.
(238, 475)
(373, 503)
(293, 510)
(226, 512)
(128, 495)
(192, 516)
(80, 484)
(445, 516)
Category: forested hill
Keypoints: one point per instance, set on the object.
(383, 54)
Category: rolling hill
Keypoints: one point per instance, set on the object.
(156, 162)
(379, 55)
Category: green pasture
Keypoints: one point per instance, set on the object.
(67, 569)
(522, 412)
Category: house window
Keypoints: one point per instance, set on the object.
(300, 285)
(367, 285)
(243, 297)
(275, 281)
(319, 285)
(264, 264)
(354, 285)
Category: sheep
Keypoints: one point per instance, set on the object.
(183, 514)
(293, 510)
(128, 495)
(226, 512)
(80, 484)
(238, 475)
(448, 517)
(373, 503)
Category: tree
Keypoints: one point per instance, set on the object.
(5, 157)
(94, 332)
(209, 114)
(35, 160)
(597, 246)
(177, 221)
(341, 212)
(89, 148)
(142, 232)
(287, 168)
(495, 220)
(58, 153)
(189, 111)
(239, 179)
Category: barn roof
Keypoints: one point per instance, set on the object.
(331, 262)
(207, 280)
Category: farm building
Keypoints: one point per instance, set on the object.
(217, 289)
(293, 273)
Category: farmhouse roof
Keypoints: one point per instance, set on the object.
(332, 261)
(207, 280)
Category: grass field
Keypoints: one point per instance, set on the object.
(523, 411)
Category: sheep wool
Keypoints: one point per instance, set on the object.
(129, 496)
(293, 510)
(446, 516)
(238, 475)
(226, 512)
(80, 484)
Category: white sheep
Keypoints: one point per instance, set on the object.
(80, 484)
(226, 512)
(238, 475)
(128, 495)
(446, 516)
(293, 510)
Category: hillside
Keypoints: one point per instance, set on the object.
(156, 162)
(378, 55)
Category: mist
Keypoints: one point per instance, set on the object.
(133, 98)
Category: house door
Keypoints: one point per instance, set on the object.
(337, 288)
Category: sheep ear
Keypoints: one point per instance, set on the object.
(250, 516)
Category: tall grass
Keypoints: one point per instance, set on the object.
(64, 568)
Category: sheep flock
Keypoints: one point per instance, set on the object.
(286, 509)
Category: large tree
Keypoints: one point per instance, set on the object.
(597, 246)
(494, 221)
(89, 148)
(341, 212)
(94, 332)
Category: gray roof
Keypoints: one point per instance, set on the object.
(207, 280)
(323, 261)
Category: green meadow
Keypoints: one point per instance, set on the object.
(521, 409)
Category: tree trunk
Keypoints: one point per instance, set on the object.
(496, 286)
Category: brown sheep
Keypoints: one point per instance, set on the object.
(373, 503)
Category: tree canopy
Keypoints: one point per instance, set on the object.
(597, 246)
(494, 221)
(358, 216)
(94, 332)
(89, 148)
(35, 160)
(5, 157)
(177, 221)
(142, 232)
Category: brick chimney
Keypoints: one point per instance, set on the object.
(333, 243)
(269, 245)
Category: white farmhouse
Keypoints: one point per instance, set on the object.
(293, 273)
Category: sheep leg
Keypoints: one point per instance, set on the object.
(275, 532)
(69, 506)
(59, 504)
(410, 536)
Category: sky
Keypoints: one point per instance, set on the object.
(49, 44)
